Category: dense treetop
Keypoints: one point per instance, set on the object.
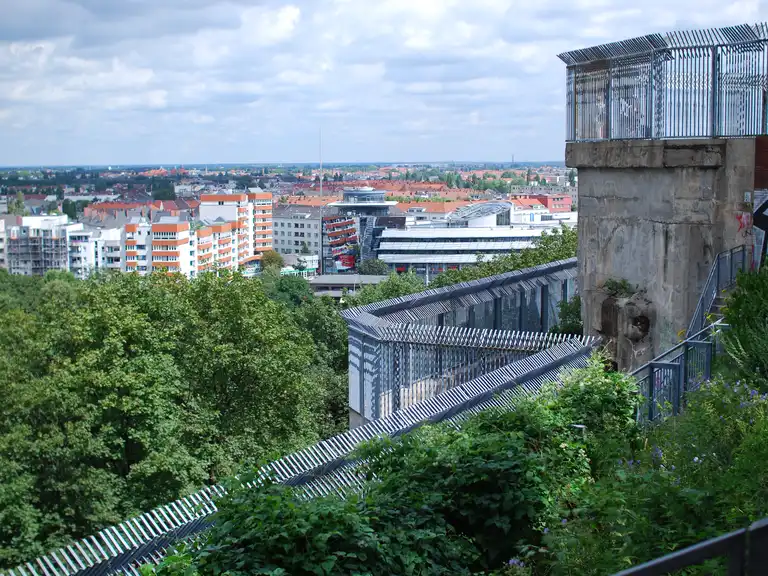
(121, 393)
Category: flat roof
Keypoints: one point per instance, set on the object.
(469, 246)
(346, 279)
(434, 258)
(435, 233)
(480, 210)
(341, 203)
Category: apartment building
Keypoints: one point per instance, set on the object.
(263, 230)
(3, 263)
(91, 250)
(297, 227)
(233, 231)
(36, 244)
(340, 243)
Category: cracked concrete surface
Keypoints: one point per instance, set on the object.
(656, 213)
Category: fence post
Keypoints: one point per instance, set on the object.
(522, 312)
(680, 389)
(714, 127)
(651, 391)
(544, 308)
(648, 128)
(608, 123)
(497, 313)
(758, 548)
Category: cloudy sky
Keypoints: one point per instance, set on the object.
(190, 81)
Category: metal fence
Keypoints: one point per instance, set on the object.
(745, 550)
(405, 350)
(722, 276)
(419, 362)
(327, 467)
(665, 380)
(692, 84)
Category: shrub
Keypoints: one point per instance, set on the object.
(746, 312)
(569, 321)
(694, 477)
(436, 501)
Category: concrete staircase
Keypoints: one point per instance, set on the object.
(716, 310)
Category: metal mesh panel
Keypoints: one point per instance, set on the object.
(692, 84)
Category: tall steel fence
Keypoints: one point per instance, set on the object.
(419, 362)
(328, 467)
(691, 84)
(406, 350)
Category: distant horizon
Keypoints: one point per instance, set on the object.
(278, 164)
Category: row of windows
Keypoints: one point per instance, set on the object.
(297, 225)
(297, 243)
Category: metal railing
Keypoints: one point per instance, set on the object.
(419, 362)
(665, 380)
(745, 550)
(691, 84)
(328, 467)
(405, 350)
(722, 275)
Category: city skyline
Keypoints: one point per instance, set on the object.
(133, 83)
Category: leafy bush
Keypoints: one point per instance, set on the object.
(746, 312)
(569, 321)
(618, 288)
(694, 477)
(436, 501)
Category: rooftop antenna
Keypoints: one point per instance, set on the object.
(321, 161)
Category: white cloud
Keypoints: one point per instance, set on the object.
(139, 81)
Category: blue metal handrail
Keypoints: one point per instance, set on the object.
(722, 275)
(665, 380)
(746, 551)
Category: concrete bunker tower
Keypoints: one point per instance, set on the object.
(667, 133)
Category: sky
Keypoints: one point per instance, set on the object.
(205, 81)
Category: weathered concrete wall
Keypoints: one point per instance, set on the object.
(655, 213)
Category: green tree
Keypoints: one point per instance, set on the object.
(16, 206)
(123, 392)
(374, 267)
(50, 207)
(572, 177)
(559, 244)
(70, 209)
(569, 321)
(393, 287)
(271, 258)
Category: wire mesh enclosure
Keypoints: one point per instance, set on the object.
(692, 84)
(406, 350)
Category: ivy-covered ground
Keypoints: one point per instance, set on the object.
(565, 484)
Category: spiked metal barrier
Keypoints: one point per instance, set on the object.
(406, 350)
(690, 84)
(319, 470)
